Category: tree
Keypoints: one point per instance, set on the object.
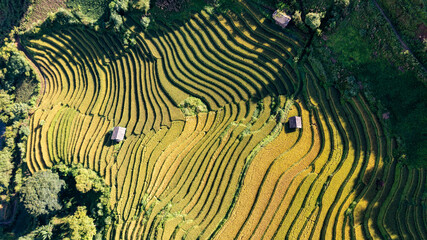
(313, 20)
(117, 10)
(117, 21)
(17, 69)
(142, 5)
(85, 179)
(145, 21)
(81, 226)
(6, 167)
(118, 6)
(18, 65)
(297, 17)
(44, 232)
(39, 194)
(192, 106)
(19, 111)
(343, 3)
(5, 103)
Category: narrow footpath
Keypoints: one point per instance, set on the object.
(404, 46)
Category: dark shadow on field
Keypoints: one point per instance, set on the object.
(288, 129)
(19, 224)
(275, 86)
(375, 186)
(107, 139)
(263, 58)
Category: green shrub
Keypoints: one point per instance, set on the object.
(192, 106)
(80, 225)
(116, 20)
(313, 20)
(44, 232)
(142, 5)
(85, 180)
(145, 21)
(86, 188)
(318, 68)
(18, 111)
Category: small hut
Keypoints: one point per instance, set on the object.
(118, 134)
(379, 183)
(295, 122)
(282, 19)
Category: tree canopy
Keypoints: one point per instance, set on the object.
(85, 179)
(6, 167)
(39, 194)
(313, 20)
(81, 226)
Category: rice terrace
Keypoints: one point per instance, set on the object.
(212, 119)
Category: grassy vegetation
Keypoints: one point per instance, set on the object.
(188, 8)
(192, 106)
(11, 13)
(94, 9)
(38, 11)
(367, 49)
(410, 19)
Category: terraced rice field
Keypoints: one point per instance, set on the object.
(236, 172)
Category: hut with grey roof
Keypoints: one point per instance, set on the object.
(282, 19)
(118, 134)
(295, 122)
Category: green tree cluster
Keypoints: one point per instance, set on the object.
(118, 9)
(13, 116)
(15, 72)
(86, 188)
(74, 201)
(89, 10)
(62, 17)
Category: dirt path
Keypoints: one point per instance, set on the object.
(404, 46)
(35, 67)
